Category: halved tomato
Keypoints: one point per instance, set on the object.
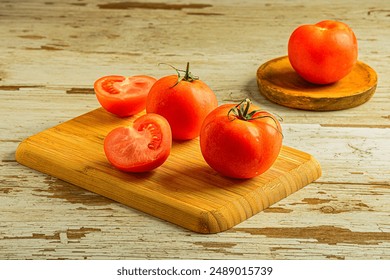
(123, 96)
(141, 147)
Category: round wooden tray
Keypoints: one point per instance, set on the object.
(279, 82)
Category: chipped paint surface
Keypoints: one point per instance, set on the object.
(53, 51)
(322, 234)
(151, 6)
(69, 234)
(80, 91)
(59, 189)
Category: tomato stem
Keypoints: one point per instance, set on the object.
(188, 76)
(241, 112)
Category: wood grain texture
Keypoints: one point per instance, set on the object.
(184, 191)
(51, 53)
(279, 82)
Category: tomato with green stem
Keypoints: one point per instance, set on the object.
(140, 147)
(240, 140)
(184, 101)
(123, 96)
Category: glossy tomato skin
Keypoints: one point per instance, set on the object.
(141, 147)
(323, 53)
(185, 105)
(238, 148)
(123, 96)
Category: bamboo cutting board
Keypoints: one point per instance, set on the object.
(184, 190)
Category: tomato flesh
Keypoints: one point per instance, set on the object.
(123, 96)
(240, 148)
(139, 148)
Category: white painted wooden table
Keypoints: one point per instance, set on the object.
(51, 52)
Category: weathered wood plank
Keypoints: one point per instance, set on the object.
(52, 51)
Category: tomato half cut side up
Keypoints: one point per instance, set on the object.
(123, 96)
(141, 147)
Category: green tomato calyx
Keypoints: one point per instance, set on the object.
(241, 112)
(188, 76)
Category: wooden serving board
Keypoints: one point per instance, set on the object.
(184, 190)
(279, 83)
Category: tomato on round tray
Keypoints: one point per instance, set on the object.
(324, 52)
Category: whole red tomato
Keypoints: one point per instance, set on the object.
(240, 141)
(123, 96)
(323, 53)
(183, 101)
(141, 147)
